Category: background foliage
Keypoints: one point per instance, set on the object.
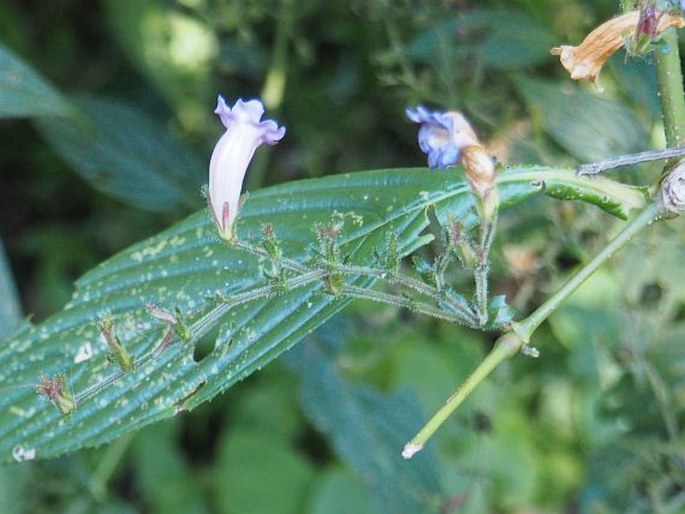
(594, 425)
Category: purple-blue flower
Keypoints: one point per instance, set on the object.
(442, 135)
(232, 154)
(448, 139)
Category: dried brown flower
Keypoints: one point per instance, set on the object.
(585, 61)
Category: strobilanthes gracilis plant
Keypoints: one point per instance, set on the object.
(122, 353)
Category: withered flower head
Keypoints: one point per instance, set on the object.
(448, 138)
(585, 61)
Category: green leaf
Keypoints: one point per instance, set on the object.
(164, 478)
(499, 312)
(246, 461)
(174, 49)
(368, 431)
(184, 266)
(122, 152)
(24, 93)
(338, 492)
(589, 127)
(10, 310)
(501, 39)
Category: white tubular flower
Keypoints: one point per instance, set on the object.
(232, 155)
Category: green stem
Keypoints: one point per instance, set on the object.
(506, 346)
(427, 309)
(202, 325)
(670, 80)
(511, 342)
(525, 328)
(482, 270)
(412, 283)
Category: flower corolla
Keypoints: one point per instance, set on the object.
(442, 135)
(232, 154)
(448, 138)
(586, 60)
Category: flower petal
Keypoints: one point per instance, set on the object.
(232, 155)
(585, 61)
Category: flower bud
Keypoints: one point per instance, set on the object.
(232, 155)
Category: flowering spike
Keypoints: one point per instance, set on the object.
(57, 391)
(329, 249)
(231, 156)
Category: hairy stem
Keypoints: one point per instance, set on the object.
(202, 325)
(482, 270)
(362, 293)
(412, 283)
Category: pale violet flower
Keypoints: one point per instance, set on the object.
(449, 139)
(443, 135)
(232, 154)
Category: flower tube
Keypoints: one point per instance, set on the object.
(231, 156)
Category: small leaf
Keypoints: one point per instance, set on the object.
(24, 93)
(122, 152)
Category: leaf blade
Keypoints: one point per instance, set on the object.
(24, 93)
(185, 265)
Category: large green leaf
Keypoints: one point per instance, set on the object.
(184, 266)
(174, 49)
(503, 39)
(589, 127)
(367, 430)
(24, 93)
(123, 152)
(11, 483)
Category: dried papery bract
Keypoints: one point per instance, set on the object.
(56, 390)
(245, 132)
(585, 61)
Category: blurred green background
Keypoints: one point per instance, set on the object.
(594, 425)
